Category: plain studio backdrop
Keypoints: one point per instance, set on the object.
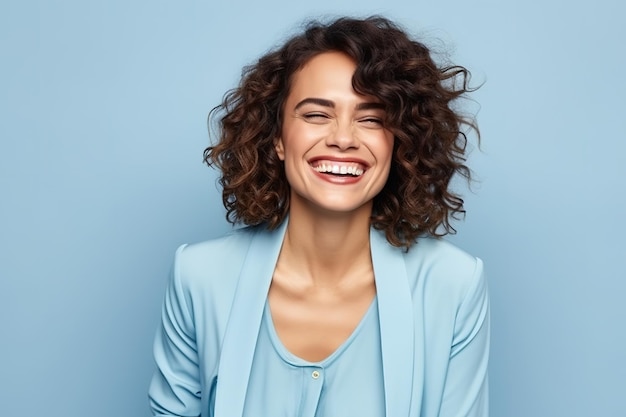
(103, 110)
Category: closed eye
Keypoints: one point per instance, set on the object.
(317, 118)
(372, 122)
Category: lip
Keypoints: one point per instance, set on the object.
(336, 179)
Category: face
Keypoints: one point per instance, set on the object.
(336, 150)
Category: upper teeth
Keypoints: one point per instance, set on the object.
(340, 169)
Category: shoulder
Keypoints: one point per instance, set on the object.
(439, 253)
(212, 263)
(214, 251)
(443, 270)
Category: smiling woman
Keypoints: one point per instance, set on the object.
(329, 133)
(336, 151)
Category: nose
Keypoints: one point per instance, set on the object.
(343, 135)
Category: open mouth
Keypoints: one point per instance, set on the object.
(346, 169)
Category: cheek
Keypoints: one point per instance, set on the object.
(386, 150)
(386, 153)
(297, 141)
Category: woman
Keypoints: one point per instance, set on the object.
(339, 299)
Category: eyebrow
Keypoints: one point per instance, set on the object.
(328, 103)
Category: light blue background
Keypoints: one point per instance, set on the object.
(103, 122)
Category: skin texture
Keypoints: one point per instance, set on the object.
(324, 282)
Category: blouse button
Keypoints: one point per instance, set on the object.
(315, 374)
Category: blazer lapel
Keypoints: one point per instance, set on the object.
(244, 321)
(395, 310)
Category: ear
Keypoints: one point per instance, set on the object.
(280, 148)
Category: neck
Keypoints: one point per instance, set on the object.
(328, 250)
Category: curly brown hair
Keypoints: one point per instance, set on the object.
(429, 144)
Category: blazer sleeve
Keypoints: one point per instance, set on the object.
(466, 385)
(175, 389)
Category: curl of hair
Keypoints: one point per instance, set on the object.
(429, 142)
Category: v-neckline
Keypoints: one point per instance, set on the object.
(395, 314)
(293, 359)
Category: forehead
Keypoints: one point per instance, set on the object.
(327, 75)
(324, 71)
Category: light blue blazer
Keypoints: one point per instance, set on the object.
(433, 313)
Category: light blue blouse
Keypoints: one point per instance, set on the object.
(347, 383)
(433, 327)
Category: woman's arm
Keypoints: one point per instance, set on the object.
(466, 387)
(175, 389)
